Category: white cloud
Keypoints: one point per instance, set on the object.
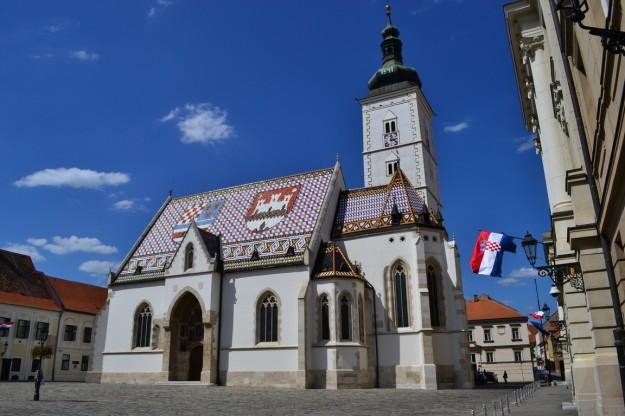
(158, 6)
(124, 205)
(518, 277)
(524, 272)
(525, 144)
(40, 56)
(171, 115)
(39, 242)
(26, 250)
(98, 268)
(455, 128)
(72, 177)
(510, 281)
(63, 245)
(53, 28)
(83, 55)
(201, 123)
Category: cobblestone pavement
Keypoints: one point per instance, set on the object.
(105, 399)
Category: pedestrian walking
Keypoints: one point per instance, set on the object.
(505, 377)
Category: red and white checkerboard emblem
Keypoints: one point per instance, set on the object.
(490, 246)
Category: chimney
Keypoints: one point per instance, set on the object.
(476, 298)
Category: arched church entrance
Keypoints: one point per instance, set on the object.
(187, 335)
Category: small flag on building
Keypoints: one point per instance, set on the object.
(538, 314)
(538, 325)
(488, 252)
(6, 325)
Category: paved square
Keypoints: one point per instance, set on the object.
(121, 399)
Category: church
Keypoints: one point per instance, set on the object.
(300, 281)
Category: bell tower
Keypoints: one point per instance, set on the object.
(397, 123)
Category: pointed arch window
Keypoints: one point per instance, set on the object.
(143, 326)
(325, 317)
(401, 296)
(346, 319)
(361, 320)
(434, 296)
(268, 319)
(188, 257)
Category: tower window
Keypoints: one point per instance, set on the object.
(390, 126)
(392, 167)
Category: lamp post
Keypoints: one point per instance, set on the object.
(575, 11)
(39, 376)
(546, 309)
(559, 274)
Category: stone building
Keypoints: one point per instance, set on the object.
(572, 97)
(40, 308)
(299, 281)
(498, 339)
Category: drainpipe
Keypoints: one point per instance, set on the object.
(221, 292)
(619, 332)
(375, 334)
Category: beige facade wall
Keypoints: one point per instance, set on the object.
(21, 348)
(586, 90)
(495, 339)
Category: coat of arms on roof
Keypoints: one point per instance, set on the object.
(202, 212)
(270, 207)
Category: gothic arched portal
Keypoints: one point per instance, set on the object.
(186, 343)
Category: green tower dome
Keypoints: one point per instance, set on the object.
(393, 74)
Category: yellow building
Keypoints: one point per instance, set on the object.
(35, 309)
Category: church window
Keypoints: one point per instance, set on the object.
(143, 326)
(268, 319)
(188, 257)
(434, 296)
(346, 330)
(401, 296)
(325, 318)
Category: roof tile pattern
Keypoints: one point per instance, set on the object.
(268, 216)
(79, 297)
(333, 263)
(21, 284)
(371, 208)
(485, 308)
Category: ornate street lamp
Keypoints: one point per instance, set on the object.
(559, 274)
(575, 11)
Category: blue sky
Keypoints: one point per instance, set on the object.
(109, 105)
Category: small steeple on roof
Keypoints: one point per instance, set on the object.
(332, 263)
(393, 74)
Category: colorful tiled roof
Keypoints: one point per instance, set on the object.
(21, 284)
(79, 297)
(268, 216)
(484, 308)
(373, 208)
(333, 263)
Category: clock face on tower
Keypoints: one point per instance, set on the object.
(391, 139)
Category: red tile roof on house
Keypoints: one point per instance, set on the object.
(21, 284)
(79, 297)
(485, 308)
(29, 301)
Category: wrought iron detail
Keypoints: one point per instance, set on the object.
(560, 274)
(575, 11)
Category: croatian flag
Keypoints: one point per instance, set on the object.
(488, 252)
(538, 314)
(7, 325)
(538, 325)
